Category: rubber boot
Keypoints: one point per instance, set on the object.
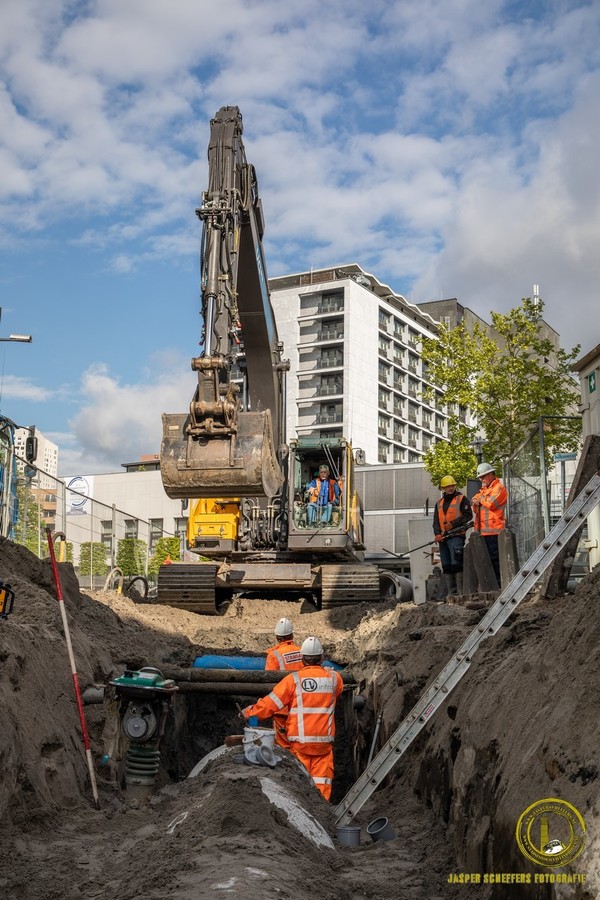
(459, 583)
(450, 580)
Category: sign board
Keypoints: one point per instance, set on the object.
(592, 382)
(563, 457)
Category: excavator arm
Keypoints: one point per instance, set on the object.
(227, 444)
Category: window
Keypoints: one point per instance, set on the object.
(413, 387)
(330, 412)
(413, 435)
(383, 452)
(331, 302)
(384, 320)
(106, 533)
(398, 455)
(398, 407)
(413, 457)
(413, 410)
(131, 528)
(332, 330)
(384, 398)
(426, 417)
(439, 424)
(384, 372)
(382, 424)
(398, 329)
(413, 362)
(398, 432)
(398, 355)
(180, 525)
(156, 532)
(330, 384)
(384, 346)
(331, 358)
(413, 337)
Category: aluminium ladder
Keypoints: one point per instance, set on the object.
(573, 519)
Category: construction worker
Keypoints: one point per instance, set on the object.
(284, 656)
(310, 695)
(452, 512)
(489, 511)
(322, 494)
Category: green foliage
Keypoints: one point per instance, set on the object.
(131, 556)
(508, 382)
(30, 528)
(165, 546)
(92, 558)
(455, 458)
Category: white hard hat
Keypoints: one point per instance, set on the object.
(312, 647)
(283, 628)
(484, 469)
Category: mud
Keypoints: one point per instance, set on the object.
(523, 725)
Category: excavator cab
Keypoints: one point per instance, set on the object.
(324, 509)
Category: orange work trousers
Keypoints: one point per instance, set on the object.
(319, 766)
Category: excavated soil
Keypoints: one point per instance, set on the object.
(523, 725)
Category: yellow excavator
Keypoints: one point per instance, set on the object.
(251, 521)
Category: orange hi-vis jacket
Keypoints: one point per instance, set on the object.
(489, 505)
(285, 655)
(310, 695)
(315, 490)
(453, 512)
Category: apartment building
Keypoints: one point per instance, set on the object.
(354, 347)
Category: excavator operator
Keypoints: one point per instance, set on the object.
(322, 494)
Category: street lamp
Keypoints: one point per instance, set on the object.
(18, 338)
(477, 445)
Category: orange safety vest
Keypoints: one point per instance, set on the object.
(313, 492)
(285, 655)
(310, 695)
(490, 517)
(451, 514)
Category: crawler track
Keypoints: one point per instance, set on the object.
(189, 586)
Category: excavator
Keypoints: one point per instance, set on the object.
(250, 522)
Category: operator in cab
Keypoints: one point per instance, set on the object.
(322, 494)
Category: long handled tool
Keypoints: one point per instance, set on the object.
(446, 534)
(84, 731)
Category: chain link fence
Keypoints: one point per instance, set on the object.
(95, 537)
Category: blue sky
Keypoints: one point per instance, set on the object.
(447, 146)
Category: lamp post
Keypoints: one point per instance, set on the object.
(18, 338)
(477, 445)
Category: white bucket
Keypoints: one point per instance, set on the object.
(254, 739)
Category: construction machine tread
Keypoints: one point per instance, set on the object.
(344, 584)
(189, 586)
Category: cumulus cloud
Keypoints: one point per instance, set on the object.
(118, 422)
(448, 146)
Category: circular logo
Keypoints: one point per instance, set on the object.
(309, 685)
(551, 832)
(82, 487)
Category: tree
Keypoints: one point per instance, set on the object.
(131, 556)
(92, 558)
(165, 546)
(508, 383)
(29, 529)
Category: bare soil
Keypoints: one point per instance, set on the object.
(523, 725)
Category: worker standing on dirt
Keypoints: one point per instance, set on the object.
(310, 695)
(452, 511)
(284, 656)
(322, 493)
(489, 511)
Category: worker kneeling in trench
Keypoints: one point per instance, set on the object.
(310, 694)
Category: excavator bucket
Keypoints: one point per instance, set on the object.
(243, 464)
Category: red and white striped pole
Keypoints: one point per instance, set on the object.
(84, 731)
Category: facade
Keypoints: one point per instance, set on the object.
(355, 364)
(588, 369)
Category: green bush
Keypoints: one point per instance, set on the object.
(165, 546)
(92, 558)
(131, 556)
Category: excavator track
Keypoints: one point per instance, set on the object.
(189, 586)
(345, 584)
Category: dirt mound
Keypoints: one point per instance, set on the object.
(523, 725)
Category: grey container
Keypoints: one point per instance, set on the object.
(381, 830)
(349, 835)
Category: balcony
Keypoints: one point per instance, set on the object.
(330, 362)
(329, 418)
(326, 390)
(330, 334)
(330, 306)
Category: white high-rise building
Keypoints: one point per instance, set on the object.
(354, 347)
(47, 458)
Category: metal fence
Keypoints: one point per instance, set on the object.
(90, 528)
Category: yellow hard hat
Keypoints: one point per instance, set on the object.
(446, 481)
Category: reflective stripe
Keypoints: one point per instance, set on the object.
(311, 710)
(311, 739)
(278, 703)
(321, 780)
(279, 659)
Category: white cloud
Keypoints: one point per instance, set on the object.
(15, 387)
(118, 422)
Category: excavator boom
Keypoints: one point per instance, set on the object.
(226, 445)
